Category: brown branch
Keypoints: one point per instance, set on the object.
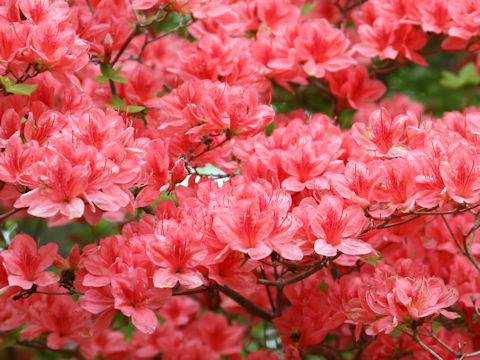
(89, 4)
(127, 42)
(425, 347)
(24, 294)
(292, 280)
(467, 240)
(250, 306)
(389, 70)
(269, 293)
(190, 157)
(9, 213)
(191, 292)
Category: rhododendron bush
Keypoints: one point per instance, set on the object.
(239, 179)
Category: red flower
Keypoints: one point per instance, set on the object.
(25, 261)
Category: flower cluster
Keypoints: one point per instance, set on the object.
(352, 234)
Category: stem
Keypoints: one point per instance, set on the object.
(440, 341)
(390, 69)
(181, 26)
(134, 33)
(9, 213)
(247, 304)
(209, 148)
(452, 234)
(191, 292)
(284, 282)
(90, 7)
(426, 348)
(269, 293)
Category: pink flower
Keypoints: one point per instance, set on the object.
(354, 85)
(135, 298)
(59, 191)
(461, 174)
(358, 182)
(321, 47)
(306, 162)
(210, 325)
(337, 227)
(25, 261)
(383, 136)
(176, 252)
(144, 4)
(156, 169)
(389, 39)
(59, 316)
(426, 296)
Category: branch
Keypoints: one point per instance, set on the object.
(247, 304)
(9, 213)
(191, 156)
(467, 239)
(24, 294)
(127, 42)
(90, 7)
(284, 282)
(425, 347)
(191, 292)
(459, 355)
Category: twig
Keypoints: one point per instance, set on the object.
(247, 304)
(24, 294)
(191, 292)
(425, 347)
(452, 234)
(9, 213)
(269, 293)
(127, 42)
(228, 136)
(181, 26)
(90, 7)
(292, 280)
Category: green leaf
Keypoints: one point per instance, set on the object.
(118, 103)
(103, 79)
(22, 89)
(308, 7)
(132, 109)
(451, 80)
(117, 71)
(7, 341)
(111, 74)
(119, 79)
(323, 286)
(6, 82)
(436, 325)
(172, 21)
(396, 333)
(9, 338)
(468, 75)
(106, 70)
(269, 128)
(373, 260)
(24, 120)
